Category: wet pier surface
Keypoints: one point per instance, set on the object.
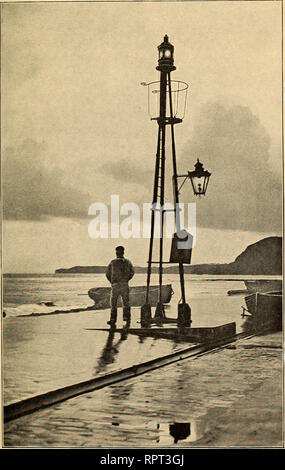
(230, 398)
(46, 353)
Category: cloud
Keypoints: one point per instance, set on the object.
(127, 171)
(32, 190)
(244, 192)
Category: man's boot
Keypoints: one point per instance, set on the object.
(113, 317)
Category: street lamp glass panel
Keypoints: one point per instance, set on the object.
(167, 53)
(197, 185)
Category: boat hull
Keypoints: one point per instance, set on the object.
(263, 285)
(265, 307)
(101, 296)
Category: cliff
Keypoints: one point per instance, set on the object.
(261, 258)
(81, 269)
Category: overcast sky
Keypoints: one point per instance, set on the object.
(75, 127)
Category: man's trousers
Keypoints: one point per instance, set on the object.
(120, 289)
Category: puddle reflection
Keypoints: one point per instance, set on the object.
(167, 433)
(173, 433)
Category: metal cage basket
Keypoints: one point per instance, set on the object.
(179, 91)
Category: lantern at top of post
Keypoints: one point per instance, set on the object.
(176, 89)
(199, 179)
(165, 56)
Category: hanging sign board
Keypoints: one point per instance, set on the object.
(181, 247)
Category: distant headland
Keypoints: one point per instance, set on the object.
(261, 258)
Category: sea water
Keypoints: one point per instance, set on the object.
(25, 294)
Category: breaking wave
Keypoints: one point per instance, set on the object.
(43, 308)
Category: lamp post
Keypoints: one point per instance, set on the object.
(169, 115)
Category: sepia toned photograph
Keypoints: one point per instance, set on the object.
(142, 224)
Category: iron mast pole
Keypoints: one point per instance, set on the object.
(165, 67)
(181, 247)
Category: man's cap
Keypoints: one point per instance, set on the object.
(120, 248)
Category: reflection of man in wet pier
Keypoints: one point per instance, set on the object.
(119, 272)
(110, 349)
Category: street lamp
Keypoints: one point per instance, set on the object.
(199, 179)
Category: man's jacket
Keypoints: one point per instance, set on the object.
(119, 270)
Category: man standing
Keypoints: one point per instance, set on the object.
(119, 272)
